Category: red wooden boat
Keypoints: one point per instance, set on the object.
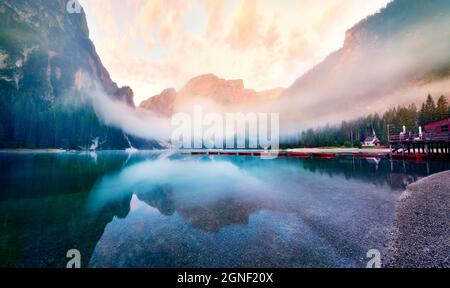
(281, 154)
(269, 153)
(324, 155)
(298, 154)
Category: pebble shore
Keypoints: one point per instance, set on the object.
(421, 235)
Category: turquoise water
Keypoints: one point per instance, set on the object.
(154, 209)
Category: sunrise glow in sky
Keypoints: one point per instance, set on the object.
(151, 45)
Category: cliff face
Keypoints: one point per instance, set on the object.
(162, 103)
(42, 47)
(226, 93)
(219, 90)
(405, 45)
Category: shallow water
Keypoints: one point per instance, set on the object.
(156, 209)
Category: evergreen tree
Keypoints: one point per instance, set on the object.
(422, 115)
(352, 133)
(442, 107)
(430, 110)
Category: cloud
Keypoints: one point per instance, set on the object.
(215, 17)
(155, 44)
(246, 28)
(272, 35)
(133, 121)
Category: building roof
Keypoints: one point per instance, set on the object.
(371, 139)
(434, 121)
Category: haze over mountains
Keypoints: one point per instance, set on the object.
(394, 57)
(225, 93)
(56, 93)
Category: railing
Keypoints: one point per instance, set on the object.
(410, 137)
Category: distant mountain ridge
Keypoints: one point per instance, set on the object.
(406, 45)
(222, 92)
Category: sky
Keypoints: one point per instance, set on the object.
(151, 45)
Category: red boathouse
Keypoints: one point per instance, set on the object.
(438, 127)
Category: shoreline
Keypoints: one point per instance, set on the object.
(24, 150)
(421, 230)
(338, 151)
(375, 151)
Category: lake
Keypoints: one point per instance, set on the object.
(158, 209)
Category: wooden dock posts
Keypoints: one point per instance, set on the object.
(420, 146)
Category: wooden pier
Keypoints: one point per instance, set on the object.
(288, 153)
(425, 145)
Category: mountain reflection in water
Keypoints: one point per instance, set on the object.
(155, 209)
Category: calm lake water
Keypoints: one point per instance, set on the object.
(155, 209)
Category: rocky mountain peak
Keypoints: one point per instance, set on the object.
(208, 86)
(45, 29)
(43, 48)
(161, 103)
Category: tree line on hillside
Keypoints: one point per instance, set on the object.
(352, 133)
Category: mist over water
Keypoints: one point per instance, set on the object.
(153, 209)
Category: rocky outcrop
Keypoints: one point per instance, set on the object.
(219, 90)
(161, 103)
(46, 27)
(42, 49)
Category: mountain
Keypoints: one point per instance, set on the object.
(394, 57)
(222, 92)
(43, 48)
(162, 103)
